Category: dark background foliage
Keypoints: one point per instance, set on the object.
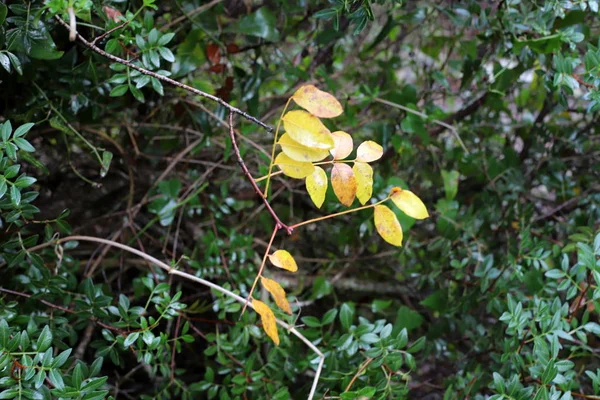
(487, 110)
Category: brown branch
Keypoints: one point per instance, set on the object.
(64, 309)
(280, 225)
(168, 80)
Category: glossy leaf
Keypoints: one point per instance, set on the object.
(307, 130)
(284, 260)
(369, 151)
(316, 186)
(317, 102)
(344, 183)
(278, 294)
(293, 168)
(268, 319)
(343, 145)
(364, 181)
(298, 152)
(387, 225)
(409, 203)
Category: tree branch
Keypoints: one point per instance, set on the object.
(240, 160)
(168, 80)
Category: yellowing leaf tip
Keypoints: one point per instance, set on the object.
(268, 319)
(410, 204)
(317, 102)
(284, 260)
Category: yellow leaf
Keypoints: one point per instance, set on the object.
(343, 182)
(317, 102)
(369, 151)
(283, 259)
(343, 145)
(316, 186)
(387, 225)
(307, 130)
(298, 152)
(409, 203)
(278, 294)
(293, 168)
(364, 181)
(267, 318)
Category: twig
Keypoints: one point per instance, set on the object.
(105, 34)
(364, 365)
(168, 80)
(195, 11)
(204, 282)
(279, 224)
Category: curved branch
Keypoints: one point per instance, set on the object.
(173, 271)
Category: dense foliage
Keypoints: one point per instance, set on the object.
(488, 111)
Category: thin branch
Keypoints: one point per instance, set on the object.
(198, 10)
(204, 282)
(168, 80)
(279, 224)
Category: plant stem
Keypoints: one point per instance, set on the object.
(312, 221)
(260, 270)
(274, 145)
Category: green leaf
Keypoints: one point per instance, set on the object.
(311, 322)
(131, 338)
(260, 23)
(61, 359)
(24, 145)
(119, 91)
(153, 37)
(9, 394)
(165, 39)
(5, 62)
(16, 63)
(15, 196)
(107, 157)
(3, 13)
(3, 188)
(450, 183)
(346, 315)
(11, 151)
(44, 340)
(6, 131)
(56, 379)
(166, 54)
(23, 129)
(12, 171)
(137, 93)
(24, 181)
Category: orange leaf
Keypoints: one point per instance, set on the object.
(293, 168)
(278, 294)
(409, 203)
(316, 186)
(233, 48)
(307, 130)
(387, 225)
(343, 145)
(283, 259)
(344, 183)
(112, 13)
(298, 152)
(317, 102)
(364, 181)
(267, 318)
(369, 151)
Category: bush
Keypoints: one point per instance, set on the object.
(414, 184)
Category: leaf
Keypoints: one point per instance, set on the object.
(284, 260)
(6, 131)
(307, 130)
(316, 186)
(450, 179)
(119, 91)
(298, 152)
(278, 294)
(343, 145)
(5, 62)
(409, 203)
(24, 145)
(364, 181)
(317, 102)
(23, 129)
(387, 225)
(293, 168)
(369, 151)
(344, 183)
(267, 318)
(3, 12)
(260, 24)
(16, 63)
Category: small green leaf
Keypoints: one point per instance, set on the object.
(165, 39)
(11, 151)
(12, 171)
(119, 91)
(24, 181)
(44, 340)
(166, 54)
(137, 93)
(107, 157)
(131, 339)
(3, 188)
(16, 63)
(23, 129)
(15, 195)
(24, 145)
(5, 62)
(56, 379)
(346, 315)
(6, 131)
